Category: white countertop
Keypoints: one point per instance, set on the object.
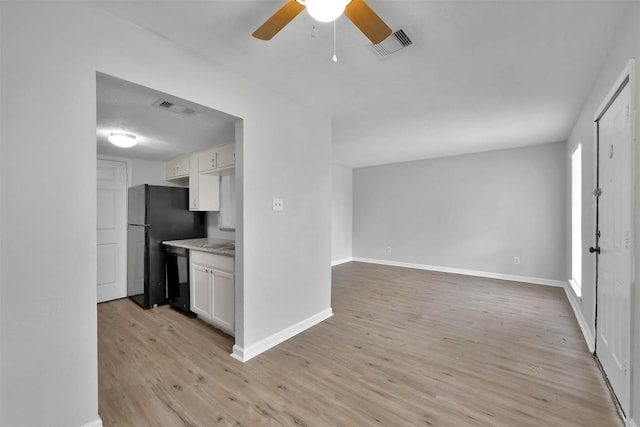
(212, 246)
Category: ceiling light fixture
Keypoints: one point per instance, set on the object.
(123, 140)
(325, 10)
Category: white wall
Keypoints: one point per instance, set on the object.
(50, 54)
(152, 172)
(142, 171)
(341, 214)
(213, 228)
(625, 47)
(221, 224)
(472, 212)
(1, 222)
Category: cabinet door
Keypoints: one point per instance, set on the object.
(170, 169)
(204, 192)
(223, 300)
(207, 161)
(177, 168)
(200, 289)
(226, 156)
(194, 187)
(182, 167)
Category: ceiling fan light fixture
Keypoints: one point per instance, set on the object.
(122, 140)
(326, 10)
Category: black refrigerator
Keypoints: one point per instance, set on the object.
(156, 213)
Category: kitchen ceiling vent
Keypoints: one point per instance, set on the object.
(398, 40)
(163, 104)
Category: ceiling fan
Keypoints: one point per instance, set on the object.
(358, 11)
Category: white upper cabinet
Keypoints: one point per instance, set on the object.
(217, 159)
(203, 169)
(204, 190)
(207, 160)
(177, 168)
(226, 156)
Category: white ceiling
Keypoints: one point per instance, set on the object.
(162, 135)
(481, 74)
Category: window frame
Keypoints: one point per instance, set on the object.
(576, 178)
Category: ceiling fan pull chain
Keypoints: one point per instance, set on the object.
(335, 58)
(314, 32)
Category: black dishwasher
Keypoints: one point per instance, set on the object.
(177, 270)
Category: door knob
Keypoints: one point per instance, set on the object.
(596, 250)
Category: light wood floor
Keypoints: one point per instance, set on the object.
(404, 348)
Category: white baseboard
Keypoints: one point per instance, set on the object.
(524, 279)
(94, 423)
(245, 354)
(341, 261)
(237, 353)
(586, 332)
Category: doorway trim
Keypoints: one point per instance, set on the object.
(628, 75)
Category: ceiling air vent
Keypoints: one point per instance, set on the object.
(174, 108)
(398, 40)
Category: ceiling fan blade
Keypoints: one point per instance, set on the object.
(278, 20)
(367, 21)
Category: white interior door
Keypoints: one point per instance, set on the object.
(613, 326)
(112, 230)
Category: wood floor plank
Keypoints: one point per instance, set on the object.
(404, 348)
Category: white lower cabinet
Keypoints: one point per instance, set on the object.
(223, 300)
(200, 290)
(212, 289)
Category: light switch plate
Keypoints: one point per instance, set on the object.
(278, 204)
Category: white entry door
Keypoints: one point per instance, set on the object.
(112, 230)
(613, 326)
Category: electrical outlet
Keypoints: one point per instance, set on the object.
(278, 204)
(516, 260)
(388, 249)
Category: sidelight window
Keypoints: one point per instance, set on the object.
(576, 220)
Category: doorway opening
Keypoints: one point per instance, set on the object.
(167, 129)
